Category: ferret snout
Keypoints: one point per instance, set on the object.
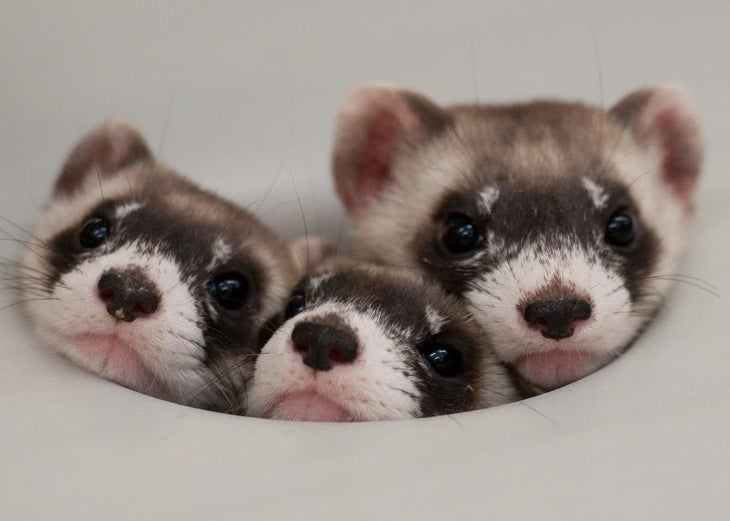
(128, 294)
(557, 319)
(557, 308)
(322, 345)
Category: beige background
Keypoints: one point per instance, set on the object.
(231, 93)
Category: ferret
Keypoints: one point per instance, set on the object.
(362, 342)
(561, 225)
(140, 276)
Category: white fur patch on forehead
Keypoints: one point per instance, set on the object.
(222, 252)
(316, 281)
(436, 320)
(597, 193)
(371, 387)
(126, 209)
(488, 197)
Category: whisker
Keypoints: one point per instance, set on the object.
(25, 301)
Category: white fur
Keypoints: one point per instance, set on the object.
(489, 196)
(371, 387)
(498, 307)
(598, 194)
(473, 260)
(222, 252)
(316, 281)
(126, 209)
(436, 320)
(167, 342)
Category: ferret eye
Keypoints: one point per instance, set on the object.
(296, 305)
(444, 360)
(94, 232)
(230, 290)
(461, 235)
(620, 229)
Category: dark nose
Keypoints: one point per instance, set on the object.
(556, 318)
(128, 295)
(322, 345)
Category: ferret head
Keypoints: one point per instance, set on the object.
(366, 343)
(141, 277)
(557, 223)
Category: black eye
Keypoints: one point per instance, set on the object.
(94, 232)
(620, 229)
(444, 360)
(230, 290)
(296, 305)
(461, 234)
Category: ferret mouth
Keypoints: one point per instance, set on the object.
(548, 370)
(309, 406)
(114, 357)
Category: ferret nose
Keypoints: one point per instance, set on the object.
(323, 345)
(556, 318)
(128, 295)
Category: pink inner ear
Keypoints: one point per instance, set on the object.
(96, 151)
(680, 165)
(374, 165)
(111, 146)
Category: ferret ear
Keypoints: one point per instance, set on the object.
(374, 124)
(111, 146)
(309, 252)
(666, 117)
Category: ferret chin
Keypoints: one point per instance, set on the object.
(560, 224)
(142, 277)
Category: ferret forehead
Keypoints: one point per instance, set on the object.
(151, 204)
(511, 199)
(569, 212)
(560, 122)
(228, 237)
(403, 299)
(162, 195)
(202, 246)
(591, 190)
(162, 186)
(193, 204)
(134, 186)
(356, 282)
(533, 141)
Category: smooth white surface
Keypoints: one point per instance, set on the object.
(233, 94)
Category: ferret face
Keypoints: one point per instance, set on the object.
(151, 282)
(366, 343)
(556, 223)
